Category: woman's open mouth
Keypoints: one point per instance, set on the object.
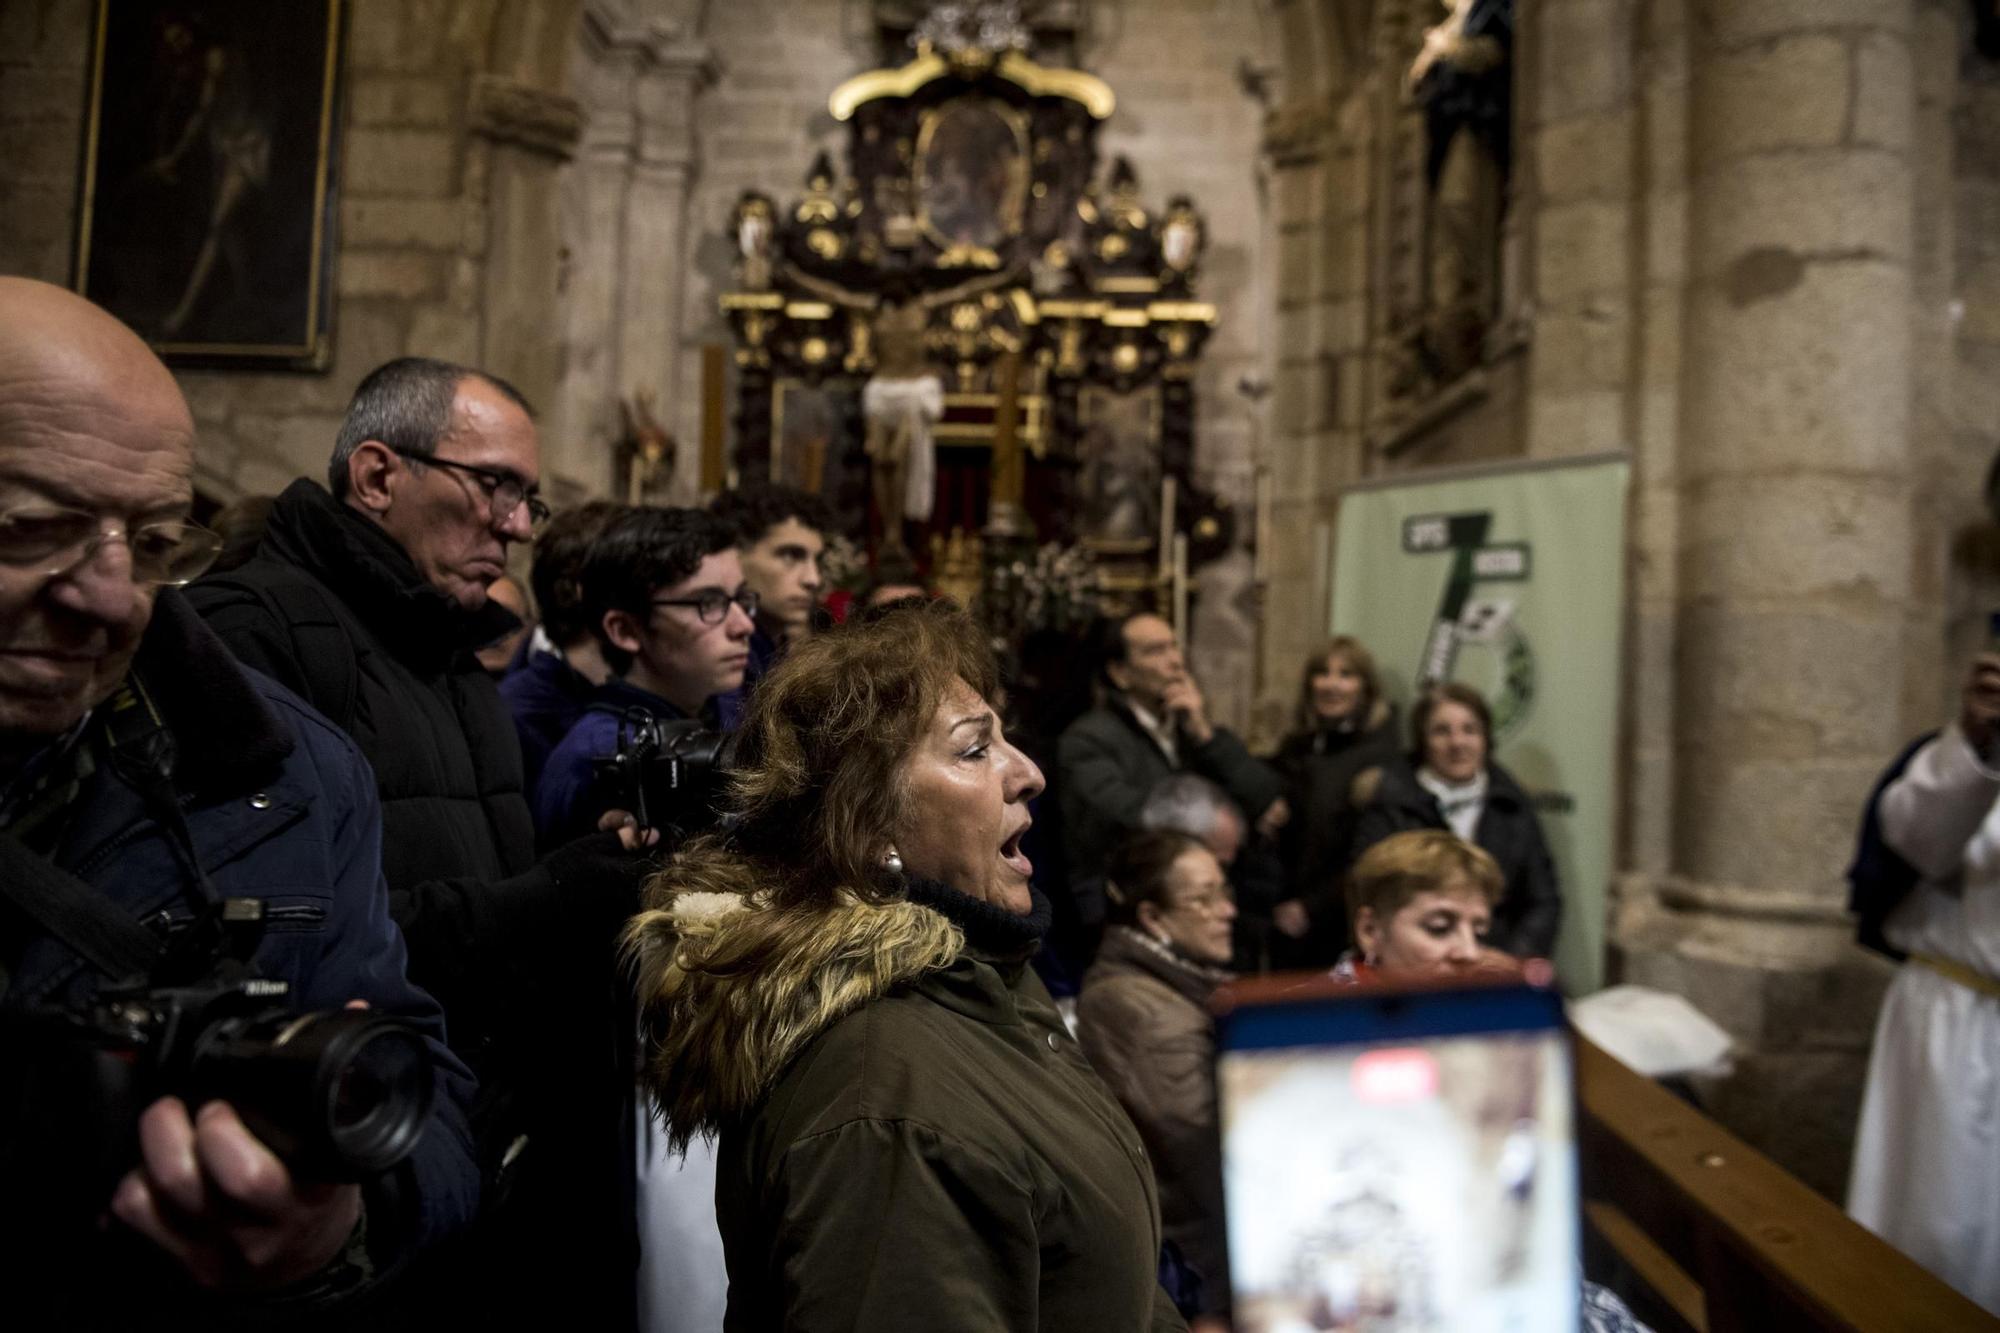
(1010, 852)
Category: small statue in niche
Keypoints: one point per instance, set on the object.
(647, 448)
(902, 404)
(1180, 236)
(1463, 79)
(753, 240)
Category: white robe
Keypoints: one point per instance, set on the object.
(683, 1283)
(1927, 1154)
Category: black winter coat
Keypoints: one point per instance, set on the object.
(447, 760)
(519, 953)
(1319, 769)
(1106, 764)
(1530, 907)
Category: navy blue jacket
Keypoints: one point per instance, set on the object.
(546, 695)
(569, 800)
(280, 806)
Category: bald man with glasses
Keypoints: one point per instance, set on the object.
(369, 597)
(155, 796)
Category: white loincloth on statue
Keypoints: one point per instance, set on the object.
(913, 406)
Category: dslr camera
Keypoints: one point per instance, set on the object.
(339, 1095)
(668, 772)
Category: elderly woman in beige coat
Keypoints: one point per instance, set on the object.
(1143, 1020)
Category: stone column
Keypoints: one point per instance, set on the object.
(1794, 541)
(627, 226)
(524, 136)
(664, 163)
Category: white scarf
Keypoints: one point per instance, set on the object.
(1162, 732)
(1462, 803)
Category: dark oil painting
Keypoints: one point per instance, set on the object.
(208, 182)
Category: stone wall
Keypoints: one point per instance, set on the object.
(453, 128)
(1188, 124)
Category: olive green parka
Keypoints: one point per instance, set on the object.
(908, 1137)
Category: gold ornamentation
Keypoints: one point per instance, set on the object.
(969, 256)
(1038, 80)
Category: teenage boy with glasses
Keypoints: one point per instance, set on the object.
(665, 595)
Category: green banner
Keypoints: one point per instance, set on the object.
(1510, 579)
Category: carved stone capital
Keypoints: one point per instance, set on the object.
(1298, 131)
(651, 44)
(534, 118)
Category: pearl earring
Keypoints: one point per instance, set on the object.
(893, 863)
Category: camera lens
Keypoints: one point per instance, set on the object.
(338, 1094)
(371, 1086)
(378, 1093)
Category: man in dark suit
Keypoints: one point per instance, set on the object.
(1152, 722)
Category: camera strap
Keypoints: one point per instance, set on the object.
(76, 913)
(141, 752)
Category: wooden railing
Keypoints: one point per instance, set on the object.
(1725, 1239)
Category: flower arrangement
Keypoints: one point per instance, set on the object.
(1055, 587)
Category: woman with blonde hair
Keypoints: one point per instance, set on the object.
(1421, 904)
(837, 988)
(1343, 727)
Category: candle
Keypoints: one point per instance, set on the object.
(712, 389)
(1180, 588)
(1168, 496)
(1260, 563)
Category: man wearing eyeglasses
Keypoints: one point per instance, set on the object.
(664, 592)
(369, 597)
(146, 778)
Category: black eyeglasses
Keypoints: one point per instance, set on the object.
(54, 540)
(713, 605)
(504, 491)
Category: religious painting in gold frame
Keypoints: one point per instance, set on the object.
(1118, 477)
(808, 423)
(972, 166)
(208, 196)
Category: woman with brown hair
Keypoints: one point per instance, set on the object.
(1451, 782)
(837, 987)
(1144, 1022)
(1343, 727)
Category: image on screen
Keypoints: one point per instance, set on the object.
(1419, 1188)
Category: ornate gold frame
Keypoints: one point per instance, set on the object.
(1015, 208)
(1037, 80)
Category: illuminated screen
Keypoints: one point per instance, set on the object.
(1422, 1186)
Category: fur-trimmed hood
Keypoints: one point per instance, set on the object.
(731, 989)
